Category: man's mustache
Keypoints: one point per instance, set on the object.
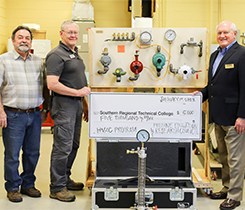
(24, 44)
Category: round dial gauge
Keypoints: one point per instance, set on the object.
(143, 135)
(170, 35)
(145, 37)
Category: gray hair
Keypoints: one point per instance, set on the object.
(67, 22)
(233, 26)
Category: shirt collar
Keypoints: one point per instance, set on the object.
(68, 48)
(17, 55)
(226, 48)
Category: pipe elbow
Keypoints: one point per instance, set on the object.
(134, 78)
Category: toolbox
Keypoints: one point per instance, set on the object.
(168, 182)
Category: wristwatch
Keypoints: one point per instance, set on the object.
(45, 110)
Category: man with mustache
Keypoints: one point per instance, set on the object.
(225, 92)
(22, 91)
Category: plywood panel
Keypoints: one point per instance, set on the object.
(101, 38)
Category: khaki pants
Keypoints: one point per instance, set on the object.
(231, 147)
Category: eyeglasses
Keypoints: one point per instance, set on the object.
(75, 33)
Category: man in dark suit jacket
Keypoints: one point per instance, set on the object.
(225, 92)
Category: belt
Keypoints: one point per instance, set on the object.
(22, 110)
(72, 97)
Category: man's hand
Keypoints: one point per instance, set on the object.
(55, 85)
(240, 125)
(3, 118)
(43, 116)
(85, 91)
(195, 93)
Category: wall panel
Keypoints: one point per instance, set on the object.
(49, 14)
(3, 26)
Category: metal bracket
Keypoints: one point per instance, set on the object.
(149, 197)
(113, 140)
(95, 207)
(176, 194)
(111, 194)
(174, 141)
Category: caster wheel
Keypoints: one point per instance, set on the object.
(208, 191)
(90, 189)
(196, 152)
(214, 176)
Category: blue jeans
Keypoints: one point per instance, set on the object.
(23, 131)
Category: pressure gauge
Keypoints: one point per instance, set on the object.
(170, 35)
(143, 135)
(145, 37)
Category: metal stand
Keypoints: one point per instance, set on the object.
(140, 205)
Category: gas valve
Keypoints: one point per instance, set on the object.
(136, 67)
(191, 43)
(184, 71)
(118, 73)
(105, 60)
(158, 61)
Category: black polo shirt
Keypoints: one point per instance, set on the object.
(68, 65)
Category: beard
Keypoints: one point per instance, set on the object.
(23, 47)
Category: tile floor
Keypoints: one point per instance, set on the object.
(83, 198)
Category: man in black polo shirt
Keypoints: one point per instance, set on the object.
(66, 78)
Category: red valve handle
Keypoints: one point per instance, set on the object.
(136, 66)
(197, 73)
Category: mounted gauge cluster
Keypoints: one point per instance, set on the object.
(148, 57)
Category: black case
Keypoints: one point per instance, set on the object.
(167, 163)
